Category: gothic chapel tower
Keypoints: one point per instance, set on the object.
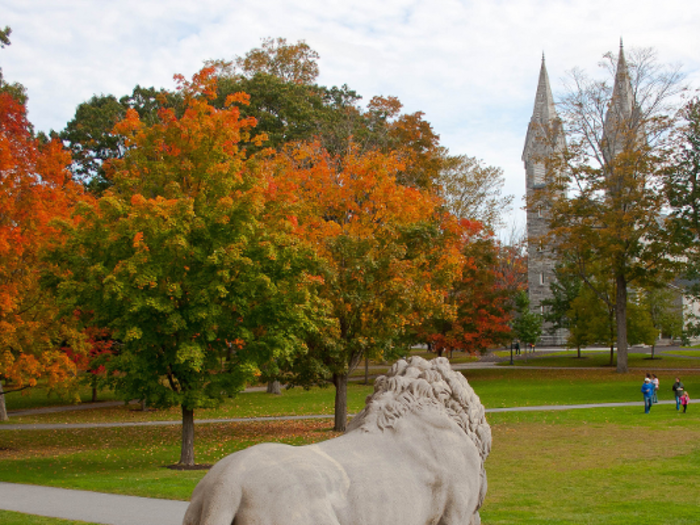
(541, 262)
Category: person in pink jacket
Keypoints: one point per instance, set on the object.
(684, 400)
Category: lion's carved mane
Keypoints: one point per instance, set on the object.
(410, 386)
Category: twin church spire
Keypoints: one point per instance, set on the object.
(545, 138)
(545, 117)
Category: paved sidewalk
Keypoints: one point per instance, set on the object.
(94, 507)
(65, 426)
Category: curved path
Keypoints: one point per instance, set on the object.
(64, 426)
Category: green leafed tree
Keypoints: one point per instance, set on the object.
(473, 191)
(559, 311)
(527, 325)
(90, 135)
(605, 200)
(189, 260)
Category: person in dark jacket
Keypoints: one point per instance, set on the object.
(648, 391)
(678, 392)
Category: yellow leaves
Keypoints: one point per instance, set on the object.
(133, 334)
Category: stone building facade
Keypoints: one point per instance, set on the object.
(541, 261)
(545, 138)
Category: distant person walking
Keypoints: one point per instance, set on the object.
(648, 392)
(684, 400)
(678, 392)
(655, 382)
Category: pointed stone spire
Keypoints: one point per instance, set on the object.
(622, 102)
(544, 109)
(620, 118)
(544, 113)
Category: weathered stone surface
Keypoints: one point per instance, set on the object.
(413, 456)
(539, 146)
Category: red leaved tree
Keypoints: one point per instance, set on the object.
(481, 299)
(389, 257)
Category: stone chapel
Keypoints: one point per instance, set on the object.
(541, 260)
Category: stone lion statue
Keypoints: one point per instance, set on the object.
(413, 456)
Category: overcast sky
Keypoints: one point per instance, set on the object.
(471, 66)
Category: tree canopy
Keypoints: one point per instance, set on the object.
(188, 258)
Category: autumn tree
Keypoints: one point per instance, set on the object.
(188, 259)
(388, 252)
(604, 195)
(89, 134)
(478, 307)
(473, 191)
(295, 63)
(35, 188)
(290, 106)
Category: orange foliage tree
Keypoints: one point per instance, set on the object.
(481, 299)
(389, 254)
(35, 188)
(188, 259)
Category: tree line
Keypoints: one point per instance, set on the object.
(248, 225)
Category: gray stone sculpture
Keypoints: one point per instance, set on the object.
(413, 456)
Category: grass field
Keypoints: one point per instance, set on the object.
(588, 466)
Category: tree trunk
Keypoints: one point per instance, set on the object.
(3, 406)
(366, 370)
(274, 387)
(653, 347)
(187, 451)
(94, 394)
(578, 348)
(341, 402)
(621, 321)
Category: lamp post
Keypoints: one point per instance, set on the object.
(511, 352)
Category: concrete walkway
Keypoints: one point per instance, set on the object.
(94, 507)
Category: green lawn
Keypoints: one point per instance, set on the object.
(41, 397)
(599, 466)
(589, 466)
(497, 388)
